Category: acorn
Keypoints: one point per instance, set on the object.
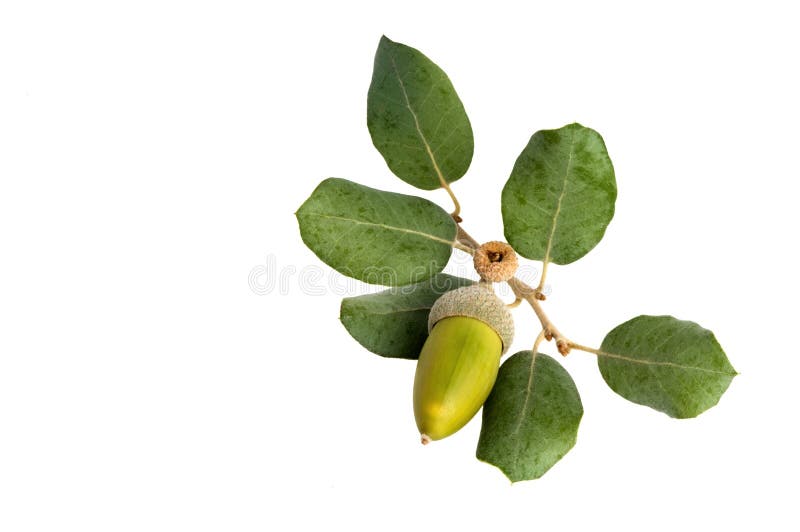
(470, 329)
(495, 261)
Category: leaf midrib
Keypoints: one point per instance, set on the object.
(663, 363)
(560, 199)
(442, 180)
(395, 311)
(528, 393)
(383, 226)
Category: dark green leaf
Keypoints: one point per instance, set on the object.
(560, 196)
(531, 418)
(394, 323)
(673, 366)
(416, 119)
(375, 236)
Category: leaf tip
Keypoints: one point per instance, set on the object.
(513, 477)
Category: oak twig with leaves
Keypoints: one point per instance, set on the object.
(556, 206)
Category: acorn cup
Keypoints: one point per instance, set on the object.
(470, 329)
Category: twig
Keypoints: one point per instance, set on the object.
(462, 247)
(517, 302)
(587, 349)
(464, 238)
(539, 289)
(456, 205)
(538, 341)
(523, 291)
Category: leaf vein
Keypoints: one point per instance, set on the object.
(396, 311)
(560, 199)
(442, 180)
(384, 226)
(662, 363)
(528, 393)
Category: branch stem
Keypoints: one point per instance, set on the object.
(514, 304)
(466, 249)
(580, 347)
(465, 239)
(538, 341)
(540, 288)
(456, 205)
(523, 291)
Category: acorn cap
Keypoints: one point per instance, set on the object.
(495, 261)
(476, 301)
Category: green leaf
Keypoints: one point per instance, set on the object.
(673, 366)
(531, 418)
(375, 236)
(416, 119)
(394, 323)
(560, 196)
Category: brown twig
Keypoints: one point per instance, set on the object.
(538, 341)
(540, 289)
(462, 247)
(524, 292)
(456, 214)
(580, 347)
(465, 239)
(514, 304)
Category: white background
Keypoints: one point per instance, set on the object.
(152, 156)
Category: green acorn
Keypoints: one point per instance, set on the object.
(470, 329)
